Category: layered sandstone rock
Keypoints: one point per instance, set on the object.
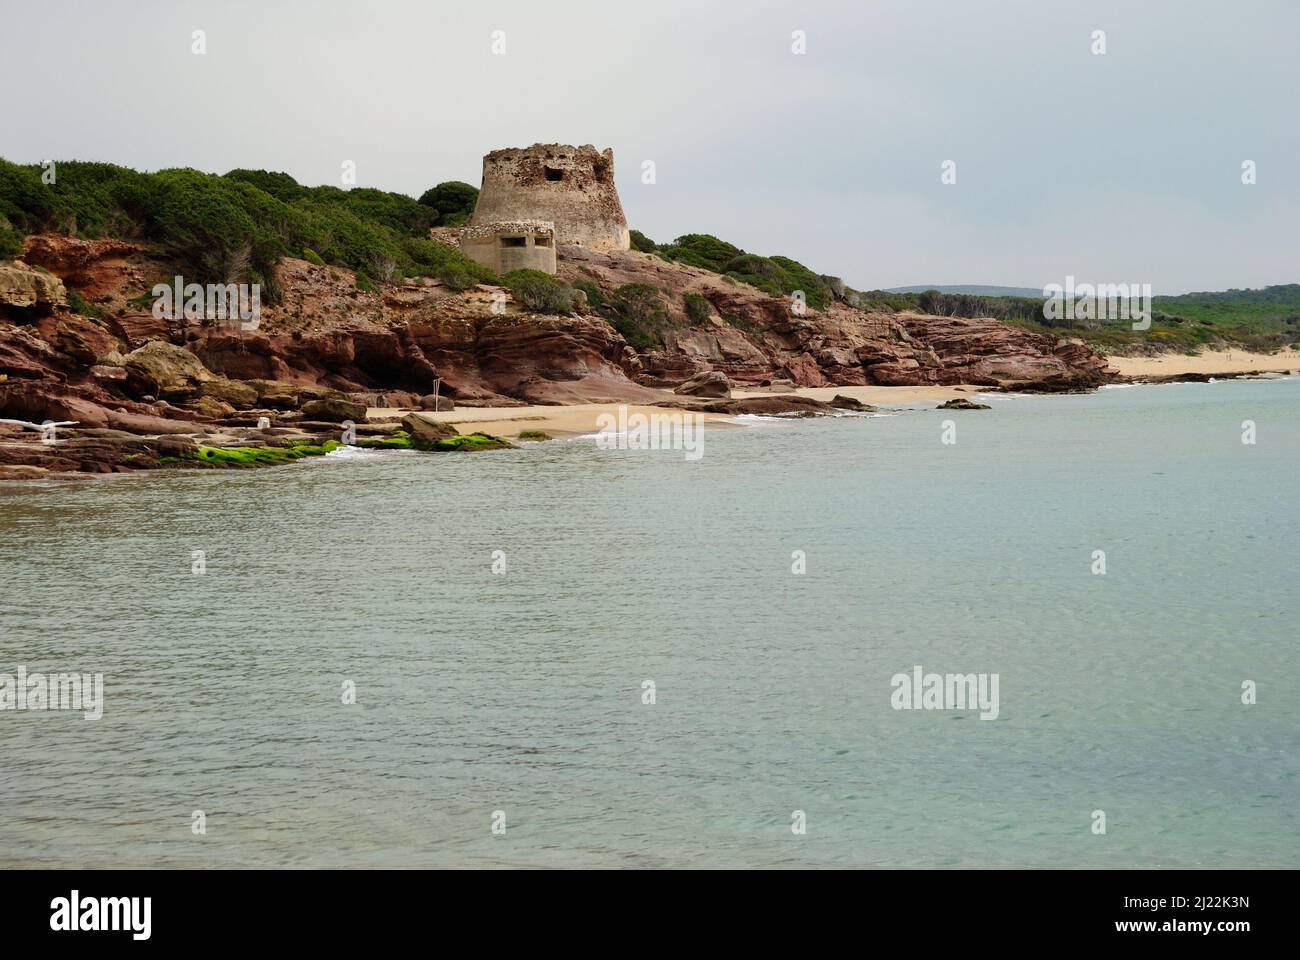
(23, 288)
(122, 368)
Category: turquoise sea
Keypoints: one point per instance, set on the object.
(517, 695)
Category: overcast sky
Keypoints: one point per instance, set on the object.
(1122, 167)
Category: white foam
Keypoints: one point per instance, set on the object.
(352, 453)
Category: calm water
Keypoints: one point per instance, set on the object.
(522, 692)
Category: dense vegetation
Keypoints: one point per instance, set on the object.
(638, 312)
(238, 226)
(1263, 320)
(539, 291)
(779, 276)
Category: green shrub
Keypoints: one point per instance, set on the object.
(698, 309)
(456, 278)
(453, 198)
(279, 185)
(595, 299)
(539, 291)
(638, 312)
(433, 259)
(701, 250)
(11, 242)
(234, 227)
(641, 242)
(79, 305)
(311, 256)
(365, 283)
(778, 276)
(396, 211)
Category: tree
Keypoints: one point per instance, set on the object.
(453, 199)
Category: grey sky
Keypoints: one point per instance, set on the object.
(1117, 168)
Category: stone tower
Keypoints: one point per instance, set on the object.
(571, 187)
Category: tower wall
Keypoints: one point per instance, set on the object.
(573, 187)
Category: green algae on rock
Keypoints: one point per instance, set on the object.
(458, 443)
(244, 457)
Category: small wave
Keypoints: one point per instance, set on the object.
(354, 453)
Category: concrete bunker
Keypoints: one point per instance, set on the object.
(570, 187)
(507, 245)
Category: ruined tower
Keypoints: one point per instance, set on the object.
(571, 187)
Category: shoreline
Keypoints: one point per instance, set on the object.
(573, 420)
(1207, 362)
(27, 459)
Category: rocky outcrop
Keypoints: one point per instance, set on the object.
(960, 403)
(779, 405)
(526, 357)
(24, 289)
(426, 429)
(165, 370)
(752, 337)
(711, 383)
(334, 410)
(325, 351)
(236, 393)
(996, 354)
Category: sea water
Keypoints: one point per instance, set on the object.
(569, 656)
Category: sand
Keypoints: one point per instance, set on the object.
(879, 396)
(567, 421)
(579, 419)
(1211, 361)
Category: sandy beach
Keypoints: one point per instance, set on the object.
(578, 419)
(571, 421)
(566, 421)
(876, 395)
(1211, 361)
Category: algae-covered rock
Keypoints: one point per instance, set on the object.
(426, 430)
(471, 443)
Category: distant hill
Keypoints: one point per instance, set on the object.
(974, 289)
(1265, 319)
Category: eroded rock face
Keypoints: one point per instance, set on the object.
(23, 288)
(165, 370)
(325, 340)
(334, 410)
(528, 357)
(236, 393)
(708, 384)
(752, 337)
